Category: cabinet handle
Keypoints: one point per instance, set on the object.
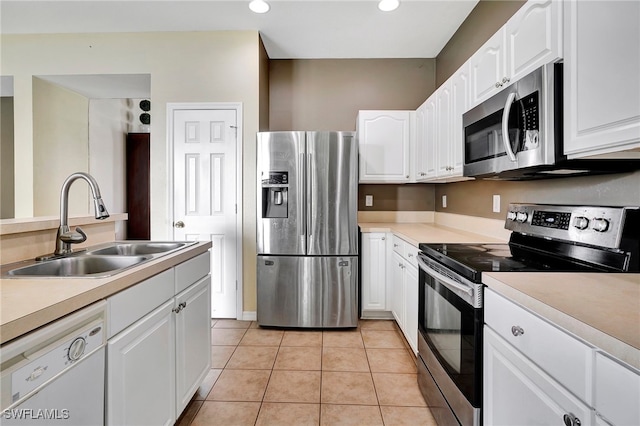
(410, 255)
(180, 307)
(571, 420)
(516, 330)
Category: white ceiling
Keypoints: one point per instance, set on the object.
(292, 29)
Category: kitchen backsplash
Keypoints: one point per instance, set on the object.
(410, 197)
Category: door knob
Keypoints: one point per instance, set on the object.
(179, 224)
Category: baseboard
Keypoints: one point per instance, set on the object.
(376, 315)
(249, 315)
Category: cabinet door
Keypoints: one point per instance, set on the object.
(373, 271)
(459, 105)
(396, 288)
(424, 150)
(444, 136)
(193, 340)
(487, 68)
(601, 77)
(384, 142)
(141, 372)
(411, 306)
(430, 138)
(534, 37)
(517, 392)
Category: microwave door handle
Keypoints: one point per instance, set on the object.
(505, 126)
(448, 282)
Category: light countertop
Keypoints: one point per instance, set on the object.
(602, 309)
(26, 304)
(416, 233)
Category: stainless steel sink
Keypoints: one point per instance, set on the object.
(138, 248)
(78, 266)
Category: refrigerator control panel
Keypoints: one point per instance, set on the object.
(275, 178)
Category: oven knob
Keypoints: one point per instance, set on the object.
(580, 222)
(521, 217)
(77, 349)
(511, 216)
(600, 224)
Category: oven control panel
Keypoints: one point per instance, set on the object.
(592, 225)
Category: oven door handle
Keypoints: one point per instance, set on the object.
(444, 279)
(505, 126)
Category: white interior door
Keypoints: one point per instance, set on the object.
(204, 194)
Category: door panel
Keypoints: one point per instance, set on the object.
(339, 277)
(205, 145)
(281, 229)
(332, 193)
(287, 296)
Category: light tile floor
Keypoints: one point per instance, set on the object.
(364, 376)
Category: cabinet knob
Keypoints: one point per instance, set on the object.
(407, 176)
(498, 85)
(179, 224)
(395, 245)
(383, 238)
(571, 420)
(505, 80)
(410, 255)
(516, 330)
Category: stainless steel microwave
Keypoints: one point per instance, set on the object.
(518, 129)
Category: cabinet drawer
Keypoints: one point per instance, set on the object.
(130, 305)
(562, 356)
(192, 270)
(411, 253)
(616, 391)
(398, 245)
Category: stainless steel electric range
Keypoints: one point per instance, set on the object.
(548, 238)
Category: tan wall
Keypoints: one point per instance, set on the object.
(326, 94)
(60, 147)
(411, 197)
(184, 67)
(475, 197)
(483, 21)
(6, 157)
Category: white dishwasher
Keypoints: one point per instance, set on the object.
(55, 374)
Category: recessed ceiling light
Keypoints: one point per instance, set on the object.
(259, 6)
(388, 5)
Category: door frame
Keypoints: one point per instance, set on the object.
(237, 106)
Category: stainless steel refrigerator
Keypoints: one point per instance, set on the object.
(307, 273)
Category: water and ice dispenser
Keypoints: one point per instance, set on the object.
(275, 200)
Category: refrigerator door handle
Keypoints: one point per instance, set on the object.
(309, 195)
(301, 187)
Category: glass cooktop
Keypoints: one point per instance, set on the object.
(470, 260)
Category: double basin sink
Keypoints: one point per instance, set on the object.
(99, 261)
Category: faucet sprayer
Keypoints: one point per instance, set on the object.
(65, 236)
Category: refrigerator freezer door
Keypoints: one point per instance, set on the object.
(281, 186)
(340, 291)
(287, 297)
(332, 193)
(312, 292)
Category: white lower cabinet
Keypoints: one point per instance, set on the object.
(141, 371)
(374, 269)
(517, 392)
(157, 360)
(403, 289)
(538, 373)
(193, 340)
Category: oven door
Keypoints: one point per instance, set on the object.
(450, 321)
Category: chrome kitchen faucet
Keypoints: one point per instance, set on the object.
(65, 236)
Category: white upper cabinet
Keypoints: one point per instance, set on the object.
(444, 140)
(531, 38)
(534, 37)
(384, 140)
(487, 68)
(425, 151)
(601, 78)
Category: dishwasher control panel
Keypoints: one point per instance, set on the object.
(40, 358)
(51, 361)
